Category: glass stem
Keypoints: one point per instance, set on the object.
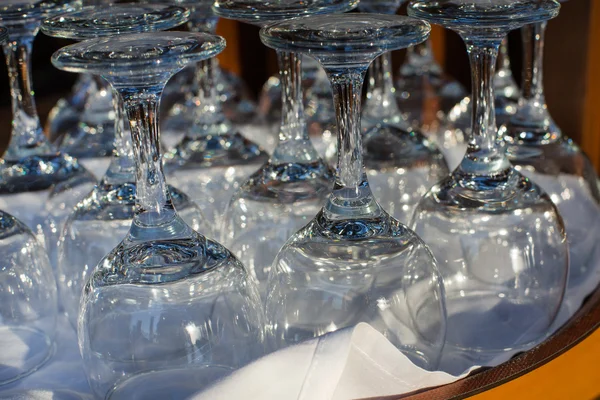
(533, 60)
(122, 167)
(381, 102)
(485, 153)
(293, 126)
(210, 112)
(533, 112)
(154, 208)
(503, 59)
(27, 137)
(347, 92)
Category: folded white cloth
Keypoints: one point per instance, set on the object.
(351, 363)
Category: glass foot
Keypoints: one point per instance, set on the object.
(37, 172)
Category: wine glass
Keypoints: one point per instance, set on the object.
(166, 298)
(498, 238)
(457, 125)
(180, 98)
(291, 187)
(31, 165)
(82, 124)
(213, 158)
(539, 150)
(401, 163)
(28, 306)
(27, 297)
(236, 103)
(103, 217)
(353, 262)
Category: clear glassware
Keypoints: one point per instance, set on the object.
(457, 126)
(539, 150)
(401, 163)
(292, 186)
(166, 298)
(103, 217)
(425, 93)
(499, 240)
(213, 158)
(31, 165)
(318, 110)
(235, 100)
(353, 262)
(28, 306)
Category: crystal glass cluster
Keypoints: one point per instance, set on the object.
(172, 289)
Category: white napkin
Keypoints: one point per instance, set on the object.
(348, 364)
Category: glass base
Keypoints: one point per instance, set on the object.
(271, 206)
(214, 151)
(334, 274)
(25, 350)
(401, 165)
(35, 173)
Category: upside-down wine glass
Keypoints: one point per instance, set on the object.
(353, 262)
(82, 124)
(235, 101)
(27, 297)
(451, 137)
(213, 158)
(62, 123)
(31, 165)
(166, 298)
(28, 308)
(292, 186)
(401, 163)
(498, 238)
(103, 217)
(539, 150)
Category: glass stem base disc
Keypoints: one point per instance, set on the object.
(225, 149)
(37, 172)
